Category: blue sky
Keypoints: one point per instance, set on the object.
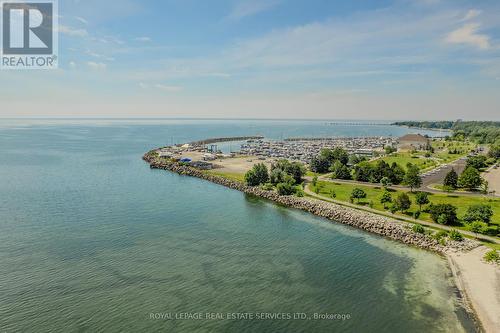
(400, 59)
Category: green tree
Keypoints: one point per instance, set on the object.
(320, 164)
(386, 198)
(340, 171)
(397, 174)
(294, 169)
(470, 179)
(358, 194)
(403, 202)
(481, 213)
(494, 151)
(364, 172)
(287, 186)
(277, 176)
(451, 179)
(412, 177)
(443, 213)
(337, 154)
(421, 198)
(477, 162)
(390, 149)
(257, 175)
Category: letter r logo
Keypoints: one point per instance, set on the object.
(27, 27)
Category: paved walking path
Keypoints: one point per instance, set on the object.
(327, 178)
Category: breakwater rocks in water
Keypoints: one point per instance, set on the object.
(363, 220)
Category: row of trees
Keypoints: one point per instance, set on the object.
(470, 179)
(343, 166)
(327, 158)
(477, 217)
(480, 131)
(385, 174)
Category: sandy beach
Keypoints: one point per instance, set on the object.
(479, 283)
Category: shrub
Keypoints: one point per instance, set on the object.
(492, 256)
(285, 188)
(478, 227)
(481, 213)
(417, 228)
(440, 234)
(455, 235)
(299, 192)
(268, 187)
(443, 213)
(416, 215)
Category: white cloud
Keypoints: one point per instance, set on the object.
(168, 88)
(473, 13)
(82, 20)
(72, 31)
(251, 7)
(218, 74)
(99, 56)
(72, 64)
(468, 35)
(143, 39)
(96, 65)
(143, 85)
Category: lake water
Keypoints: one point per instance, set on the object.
(93, 240)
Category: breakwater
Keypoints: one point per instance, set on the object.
(228, 139)
(363, 220)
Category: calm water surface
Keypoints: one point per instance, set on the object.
(93, 240)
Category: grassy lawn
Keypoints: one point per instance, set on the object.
(440, 156)
(343, 193)
(229, 175)
(404, 158)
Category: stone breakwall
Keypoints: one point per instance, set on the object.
(363, 220)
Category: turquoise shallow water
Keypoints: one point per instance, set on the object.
(93, 240)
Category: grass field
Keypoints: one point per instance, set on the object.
(440, 156)
(343, 193)
(404, 158)
(229, 175)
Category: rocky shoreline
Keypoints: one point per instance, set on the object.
(363, 220)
